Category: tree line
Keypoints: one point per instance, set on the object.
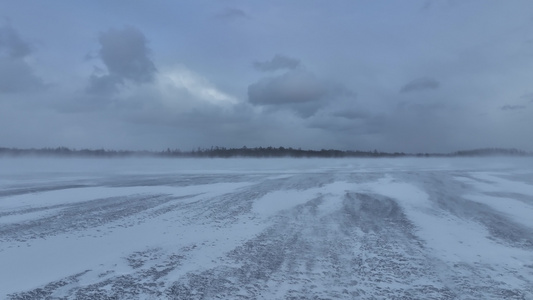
(223, 152)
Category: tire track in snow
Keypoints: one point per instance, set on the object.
(352, 244)
(447, 194)
(355, 251)
(80, 216)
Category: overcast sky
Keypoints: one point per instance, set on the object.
(411, 76)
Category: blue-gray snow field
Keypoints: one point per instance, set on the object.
(141, 228)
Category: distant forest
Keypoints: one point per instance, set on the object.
(222, 152)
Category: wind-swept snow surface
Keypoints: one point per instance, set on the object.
(266, 229)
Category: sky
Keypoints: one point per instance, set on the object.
(396, 76)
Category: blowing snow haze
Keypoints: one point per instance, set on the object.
(410, 76)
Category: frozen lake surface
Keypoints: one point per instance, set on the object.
(425, 228)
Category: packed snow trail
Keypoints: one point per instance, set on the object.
(266, 229)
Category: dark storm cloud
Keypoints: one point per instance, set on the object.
(297, 86)
(420, 84)
(513, 107)
(298, 90)
(278, 62)
(125, 54)
(16, 75)
(103, 85)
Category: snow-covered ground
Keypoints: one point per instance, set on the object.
(425, 228)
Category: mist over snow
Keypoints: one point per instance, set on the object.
(410, 76)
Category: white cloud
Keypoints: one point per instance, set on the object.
(174, 84)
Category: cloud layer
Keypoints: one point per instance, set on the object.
(296, 74)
